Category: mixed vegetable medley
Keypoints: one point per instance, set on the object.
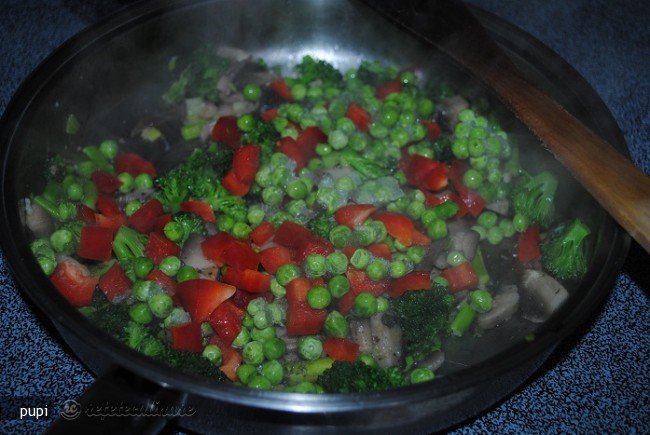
(325, 231)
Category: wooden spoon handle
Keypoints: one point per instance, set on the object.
(619, 186)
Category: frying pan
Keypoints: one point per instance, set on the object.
(110, 75)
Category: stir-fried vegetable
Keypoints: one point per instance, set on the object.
(321, 236)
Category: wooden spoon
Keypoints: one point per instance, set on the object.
(619, 186)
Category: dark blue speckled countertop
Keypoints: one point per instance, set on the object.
(600, 384)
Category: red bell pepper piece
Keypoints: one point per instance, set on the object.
(226, 321)
(114, 282)
(359, 116)
(241, 298)
(433, 129)
(341, 349)
(274, 257)
(262, 233)
(231, 358)
(269, 115)
(291, 234)
(346, 303)
(461, 277)
(290, 147)
(354, 215)
(85, 214)
(134, 164)
(308, 139)
(166, 281)
(158, 247)
(313, 245)
(201, 296)
(398, 225)
(528, 244)
(381, 250)
(388, 88)
(224, 249)
(472, 200)
(74, 282)
(360, 283)
(200, 208)
(225, 130)
(105, 181)
(95, 243)
(426, 173)
(186, 337)
(247, 279)
(409, 282)
(281, 88)
(234, 185)
(301, 318)
(109, 213)
(144, 218)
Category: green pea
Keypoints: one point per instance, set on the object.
(297, 189)
(338, 286)
(253, 353)
(340, 236)
(472, 179)
(213, 353)
(360, 258)
(376, 270)
(252, 92)
(425, 107)
(132, 206)
(365, 235)
(305, 388)
(277, 290)
(143, 181)
(365, 305)
(460, 149)
(383, 305)
(161, 305)
(454, 258)
(225, 223)
(437, 229)
(170, 265)
(109, 148)
(318, 297)
(415, 209)
(337, 139)
(336, 263)
(487, 219)
(507, 227)
(310, 348)
(186, 273)
(246, 122)
(242, 338)
(255, 214)
(295, 112)
(315, 265)
(143, 290)
(336, 325)
(259, 382)
(245, 372)
(480, 301)
(397, 269)
(415, 254)
(262, 334)
(286, 273)
(272, 195)
(273, 371)
(421, 374)
(140, 313)
(298, 91)
(494, 235)
(520, 222)
(274, 348)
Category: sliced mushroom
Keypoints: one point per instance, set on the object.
(38, 220)
(541, 295)
(451, 107)
(361, 334)
(433, 361)
(504, 305)
(192, 254)
(386, 340)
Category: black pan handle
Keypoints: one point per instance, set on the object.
(121, 402)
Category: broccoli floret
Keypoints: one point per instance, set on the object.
(359, 377)
(423, 316)
(128, 244)
(533, 197)
(266, 136)
(110, 317)
(310, 69)
(198, 78)
(322, 224)
(563, 250)
(374, 73)
(196, 177)
(45, 255)
(367, 168)
(230, 205)
(190, 362)
(183, 225)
